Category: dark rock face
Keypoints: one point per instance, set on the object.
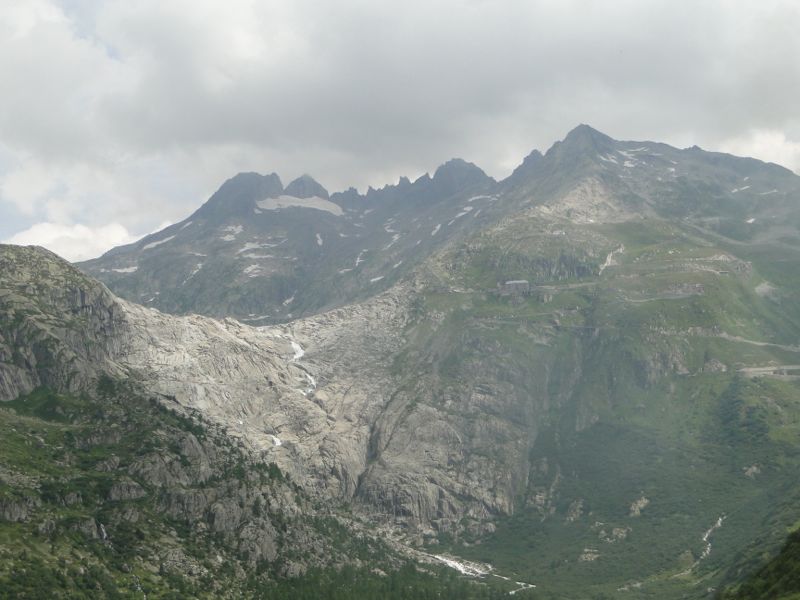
(458, 174)
(68, 352)
(237, 196)
(17, 509)
(306, 187)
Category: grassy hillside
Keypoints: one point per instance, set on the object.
(664, 393)
(112, 495)
(779, 579)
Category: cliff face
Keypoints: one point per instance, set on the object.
(321, 397)
(59, 328)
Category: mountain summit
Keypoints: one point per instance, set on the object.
(305, 250)
(457, 174)
(306, 187)
(237, 196)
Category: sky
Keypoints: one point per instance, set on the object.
(119, 117)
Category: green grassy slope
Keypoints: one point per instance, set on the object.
(655, 381)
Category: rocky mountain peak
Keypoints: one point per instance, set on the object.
(457, 174)
(527, 166)
(306, 186)
(238, 195)
(584, 139)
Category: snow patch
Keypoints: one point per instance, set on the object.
(255, 246)
(436, 229)
(289, 300)
(395, 237)
(740, 189)
(751, 220)
(158, 243)
(768, 193)
(359, 258)
(314, 202)
(231, 232)
(319, 240)
(276, 441)
(126, 270)
(186, 225)
(194, 272)
(252, 270)
(254, 318)
(397, 264)
(464, 211)
(374, 279)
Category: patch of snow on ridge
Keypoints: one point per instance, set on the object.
(314, 202)
(436, 229)
(319, 240)
(252, 246)
(126, 270)
(232, 232)
(464, 211)
(395, 237)
(194, 272)
(158, 243)
(374, 279)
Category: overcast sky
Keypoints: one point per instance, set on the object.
(117, 116)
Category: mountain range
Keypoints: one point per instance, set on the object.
(582, 378)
